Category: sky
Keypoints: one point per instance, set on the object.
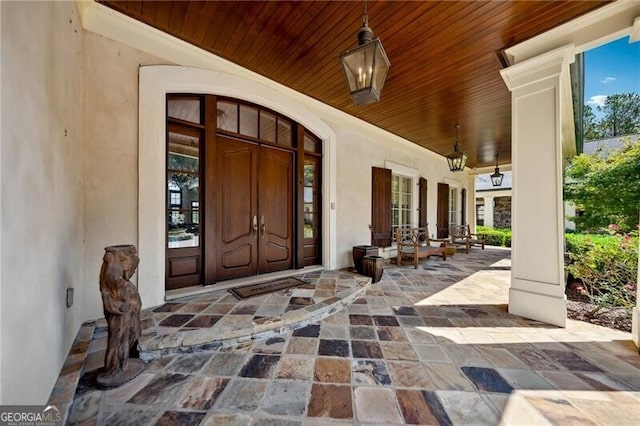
(610, 69)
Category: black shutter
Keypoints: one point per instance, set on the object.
(422, 203)
(443, 210)
(463, 207)
(380, 207)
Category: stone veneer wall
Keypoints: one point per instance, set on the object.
(502, 212)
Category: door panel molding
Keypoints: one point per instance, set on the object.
(234, 193)
(237, 258)
(276, 209)
(236, 183)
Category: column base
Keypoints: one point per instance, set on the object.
(635, 326)
(540, 307)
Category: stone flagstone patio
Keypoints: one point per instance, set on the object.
(434, 345)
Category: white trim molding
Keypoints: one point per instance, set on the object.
(635, 31)
(605, 24)
(533, 70)
(549, 65)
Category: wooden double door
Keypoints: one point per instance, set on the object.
(247, 222)
(243, 191)
(253, 209)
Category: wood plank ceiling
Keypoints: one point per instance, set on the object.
(445, 56)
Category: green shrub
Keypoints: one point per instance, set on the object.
(507, 238)
(494, 236)
(607, 266)
(579, 244)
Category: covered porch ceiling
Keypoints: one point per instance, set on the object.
(445, 56)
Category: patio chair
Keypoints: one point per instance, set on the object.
(461, 236)
(414, 244)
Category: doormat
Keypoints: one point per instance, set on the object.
(266, 287)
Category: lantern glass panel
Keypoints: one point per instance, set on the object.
(381, 67)
(457, 161)
(365, 69)
(496, 179)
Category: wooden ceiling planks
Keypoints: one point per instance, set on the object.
(445, 56)
(189, 23)
(313, 32)
(326, 51)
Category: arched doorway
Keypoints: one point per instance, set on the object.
(243, 191)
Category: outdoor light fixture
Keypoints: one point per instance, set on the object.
(457, 159)
(366, 66)
(496, 177)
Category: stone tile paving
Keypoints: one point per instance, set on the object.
(429, 346)
(219, 320)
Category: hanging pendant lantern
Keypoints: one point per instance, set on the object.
(496, 177)
(457, 159)
(366, 66)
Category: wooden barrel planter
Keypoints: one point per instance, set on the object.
(359, 252)
(373, 266)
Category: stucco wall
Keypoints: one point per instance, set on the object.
(42, 194)
(110, 155)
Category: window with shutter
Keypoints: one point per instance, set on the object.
(401, 202)
(453, 206)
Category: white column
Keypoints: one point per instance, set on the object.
(541, 123)
(488, 211)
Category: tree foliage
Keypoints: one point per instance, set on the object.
(620, 117)
(189, 165)
(621, 114)
(605, 189)
(591, 130)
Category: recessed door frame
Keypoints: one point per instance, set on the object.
(155, 82)
(251, 166)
